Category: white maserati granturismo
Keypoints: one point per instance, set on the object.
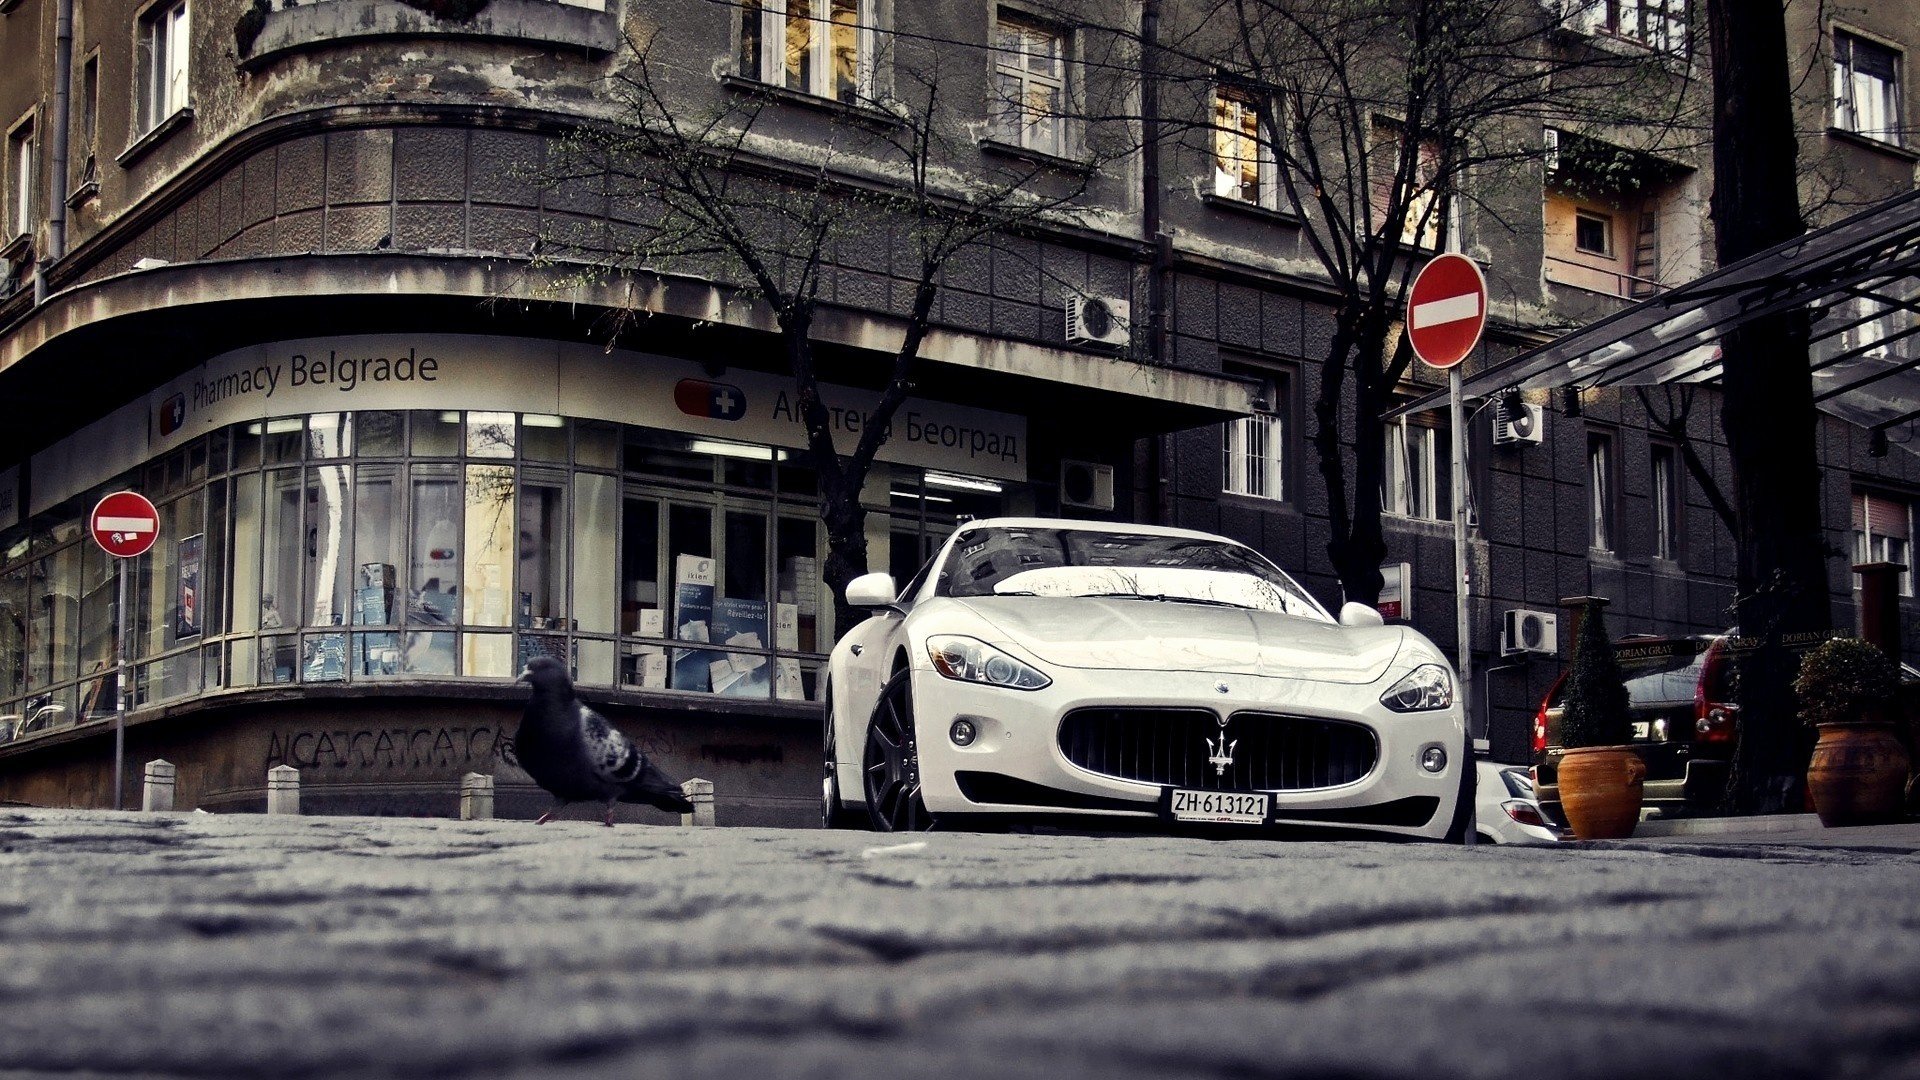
(1041, 668)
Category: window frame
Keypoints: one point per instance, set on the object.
(1845, 86)
(1606, 249)
(1670, 506)
(1603, 492)
(1275, 423)
(1010, 122)
(1247, 106)
(1616, 25)
(1397, 473)
(23, 177)
(1863, 546)
(163, 86)
(769, 53)
(1443, 225)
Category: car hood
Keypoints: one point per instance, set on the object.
(1152, 635)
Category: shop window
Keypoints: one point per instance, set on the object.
(1866, 88)
(1883, 532)
(329, 435)
(490, 435)
(325, 547)
(435, 433)
(13, 634)
(433, 573)
(377, 544)
(162, 62)
(542, 540)
(282, 544)
(543, 438)
(379, 434)
(818, 47)
(596, 514)
(486, 571)
(1243, 165)
(1029, 85)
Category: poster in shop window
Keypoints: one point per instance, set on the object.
(186, 612)
(692, 620)
(741, 624)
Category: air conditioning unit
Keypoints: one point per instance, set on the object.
(1530, 633)
(1097, 320)
(1086, 485)
(1518, 424)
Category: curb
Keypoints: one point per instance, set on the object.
(1771, 823)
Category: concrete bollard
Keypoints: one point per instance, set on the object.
(476, 797)
(283, 790)
(700, 793)
(157, 793)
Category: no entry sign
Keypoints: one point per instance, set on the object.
(124, 524)
(1446, 310)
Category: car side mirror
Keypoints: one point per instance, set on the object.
(1355, 613)
(871, 591)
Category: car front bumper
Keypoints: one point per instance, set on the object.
(1015, 763)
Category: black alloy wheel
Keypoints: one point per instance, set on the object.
(890, 768)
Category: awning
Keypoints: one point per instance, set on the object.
(1856, 278)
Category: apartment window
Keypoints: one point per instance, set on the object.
(1593, 233)
(1029, 85)
(1243, 167)
(1602, 491)
(818, 47)
(1254, 446)
(1422, 209)
(164, 40)
(1866, 88)
(1418, 470)
(1665, 495)
(89, 116)
(22, 171)
(1883, 532)
(1657, 24)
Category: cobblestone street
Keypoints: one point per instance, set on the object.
(195, 945)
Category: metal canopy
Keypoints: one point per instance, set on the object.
(1857, 278)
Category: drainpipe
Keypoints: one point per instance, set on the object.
(1160, 495)
(57, 146)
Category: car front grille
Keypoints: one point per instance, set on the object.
(1271, 752)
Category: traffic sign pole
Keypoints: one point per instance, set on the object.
(1462, 624)
(1446, 313)
(121, 683)
(125, 525)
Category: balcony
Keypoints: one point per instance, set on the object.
(321, 23)
(1579, 275)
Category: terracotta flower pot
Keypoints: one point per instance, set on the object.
(1858, 774)
(1600, 791)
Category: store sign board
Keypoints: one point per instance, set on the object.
(452, 371)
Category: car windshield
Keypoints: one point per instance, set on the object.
(1663, 672)
(1008, 561)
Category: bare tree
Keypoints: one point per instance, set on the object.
(1373, 114)
(717, 186)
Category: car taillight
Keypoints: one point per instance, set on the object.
(1540, 731)
(1525, 813)
(1715, 724)
(1712, 720)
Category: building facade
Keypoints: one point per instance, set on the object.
(282, 270)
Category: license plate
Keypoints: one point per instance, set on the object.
(1222, 807)
(1642, 730)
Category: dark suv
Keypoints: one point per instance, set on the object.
(1681, 694)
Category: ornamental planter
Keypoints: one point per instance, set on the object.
(1600, 790)
(1858, 774)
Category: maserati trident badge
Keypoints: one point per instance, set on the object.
(1222, 687)
(1220, 754)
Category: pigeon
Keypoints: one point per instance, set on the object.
(577, 756)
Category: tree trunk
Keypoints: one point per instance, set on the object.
(1768, 415)
(846, 522)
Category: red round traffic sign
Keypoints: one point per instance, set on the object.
(1446, 310)
(124, 524)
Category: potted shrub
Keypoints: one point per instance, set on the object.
(1859, 768)
(1600, 774)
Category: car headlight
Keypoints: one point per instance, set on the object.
(968, 660)
(1429, 686)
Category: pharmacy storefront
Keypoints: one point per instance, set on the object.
(359, 517)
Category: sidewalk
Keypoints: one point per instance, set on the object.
(1796, 830)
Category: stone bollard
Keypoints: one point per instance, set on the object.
(476, 797)
(700, 793)
(158, 791)
(283, 790)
